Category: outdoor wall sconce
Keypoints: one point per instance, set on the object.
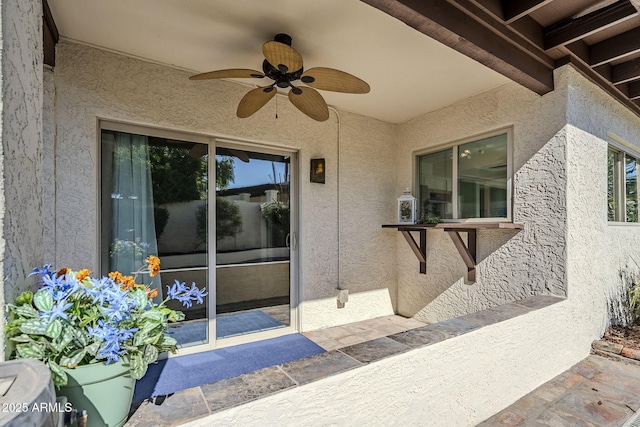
(317, 171)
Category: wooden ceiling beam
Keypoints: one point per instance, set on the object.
(516, 9)
(577, 28)
(480, 14)
(616, 47)
(634, 90)
(50, 35)
(451, 26)
(626, 72)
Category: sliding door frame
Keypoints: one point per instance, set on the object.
(212, 141)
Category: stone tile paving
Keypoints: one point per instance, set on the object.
(369, 341)
(598, 391)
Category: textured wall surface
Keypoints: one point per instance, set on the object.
(21, 133)
(465, 380)
(92, 84)
(512, 265)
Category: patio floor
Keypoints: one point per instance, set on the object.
(598, 391)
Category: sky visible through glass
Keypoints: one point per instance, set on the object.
(256, 172)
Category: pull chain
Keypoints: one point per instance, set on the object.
(276, 106)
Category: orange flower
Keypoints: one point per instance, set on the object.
(116, 276)
(153, 262)
(83, 274)
(128, 282)
(151, 293)
(63, 271)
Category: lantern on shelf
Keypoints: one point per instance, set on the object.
(407, 208)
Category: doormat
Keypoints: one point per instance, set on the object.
(195, 332)
(182, 372)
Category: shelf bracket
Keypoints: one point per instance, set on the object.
(419, 250)
(467, 251)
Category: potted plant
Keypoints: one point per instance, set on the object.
(89, 329)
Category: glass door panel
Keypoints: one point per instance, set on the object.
(154, 194)
(253, 218)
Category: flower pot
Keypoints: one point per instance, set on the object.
(104, 391)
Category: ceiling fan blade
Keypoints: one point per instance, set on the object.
(310, 102)
(254, 100)
(240, 154)
(278, 54)
(229, 74)
(334, 80)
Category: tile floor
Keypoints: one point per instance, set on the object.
(355, 333)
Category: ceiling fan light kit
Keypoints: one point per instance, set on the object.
(284, 65)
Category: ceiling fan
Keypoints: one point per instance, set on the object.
(283, 65)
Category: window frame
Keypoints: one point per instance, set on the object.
(624, 151)
(454, 145)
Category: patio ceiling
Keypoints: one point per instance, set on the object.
(409, 74)
(526, 39)
(472, 45)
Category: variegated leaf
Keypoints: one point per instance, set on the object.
(58, 375)
(30, 350)
(141, 299)
(43, 300)
(66, 337)
(150, 354)
(54, 329)
(24, 311)
(34, 326)
(137, 365)
(93, 348)
(22, 338)
(73, 360)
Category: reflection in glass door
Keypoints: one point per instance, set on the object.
(253, 238)
(154, 202)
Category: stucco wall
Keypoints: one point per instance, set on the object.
(465, 380)
(512, 265)
(21, 145)
(92, 84)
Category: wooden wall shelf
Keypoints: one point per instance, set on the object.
(467, 251)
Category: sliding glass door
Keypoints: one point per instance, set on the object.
(253, 241)
(237, 245)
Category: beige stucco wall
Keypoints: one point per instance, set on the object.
(512, 265)
(21, 82)
(92, 84)
(464, 380)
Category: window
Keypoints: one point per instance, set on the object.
(467, 180)
(622, 186)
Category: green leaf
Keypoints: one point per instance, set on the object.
(30, 350)
(54, 329)
(154, 315)
(24, 311)
(25, 298)
(140, 298)
(81, 336)
(43, 300)
(168, 342)
(92, 349)
(58, 374)
(34, 326)
(66, 337)
(138, 366)
(22, 338)
(73, 360)
(150, 354)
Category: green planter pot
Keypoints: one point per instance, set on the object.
(104, 391)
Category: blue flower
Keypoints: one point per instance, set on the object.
(44, 271)
(59, 287)
(112, 339)
(58, 311)
(180, 292)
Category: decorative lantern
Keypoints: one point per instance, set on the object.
(407, 208)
